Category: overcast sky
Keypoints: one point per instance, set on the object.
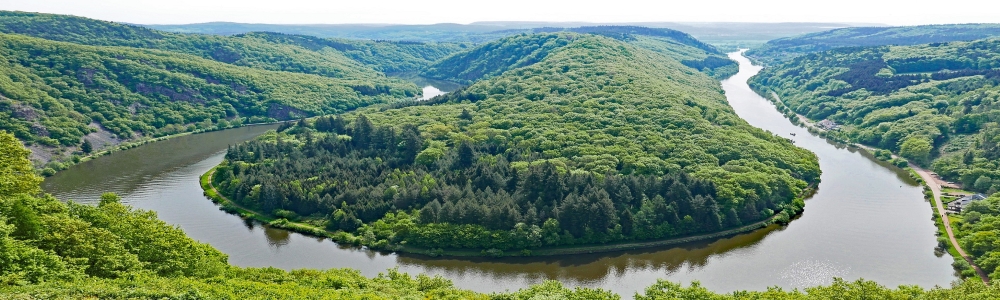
(453, 11)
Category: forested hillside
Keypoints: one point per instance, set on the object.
(790, 47)
(444, 32)
(936, 104)
(598, 142)
(249, 51)
(54, 93)
(494, 58)
(385, 56)
(56, 250)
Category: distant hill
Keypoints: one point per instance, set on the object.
(242, 51)
(521, 50)
(481, 32)
(496, 57)
(385, 56)
(785, 48)
(419, 33)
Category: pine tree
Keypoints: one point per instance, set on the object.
(362, 134)
(412, 144)
(338, 125)
(465, 156)
(628, 223)
(466, 115)
(86, 147)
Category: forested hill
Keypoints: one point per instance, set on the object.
(598, 142)
(252, 50)
(54, 93)
(790, 47)
(385, 56)
(628, 33)
(496, 57)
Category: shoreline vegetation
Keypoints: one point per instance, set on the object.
(920, 175)
(347, 238)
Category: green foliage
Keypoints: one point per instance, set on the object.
(555, 290)
(916, 149)
(978, 233)
(839, 289)
(936, 104)
(17, 176)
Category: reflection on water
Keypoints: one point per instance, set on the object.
(867, 220)
(581, 268)
(430, 92)
(432, 87)
(276, 237)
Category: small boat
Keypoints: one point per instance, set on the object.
(793, 134)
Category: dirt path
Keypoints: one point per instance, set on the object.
(936, 190)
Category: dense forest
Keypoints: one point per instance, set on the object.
(936, 104)
(542, 155)
(384, 56)
(496, 57)
(781, 49)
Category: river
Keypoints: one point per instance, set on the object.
(867, 220)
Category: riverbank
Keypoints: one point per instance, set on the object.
(347, 238)
(53, 167)
(932, 189)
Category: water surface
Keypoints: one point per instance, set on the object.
(867, 220)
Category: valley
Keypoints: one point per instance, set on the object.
(579, 161)
(771, 250)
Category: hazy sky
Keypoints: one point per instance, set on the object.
(453, 11)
